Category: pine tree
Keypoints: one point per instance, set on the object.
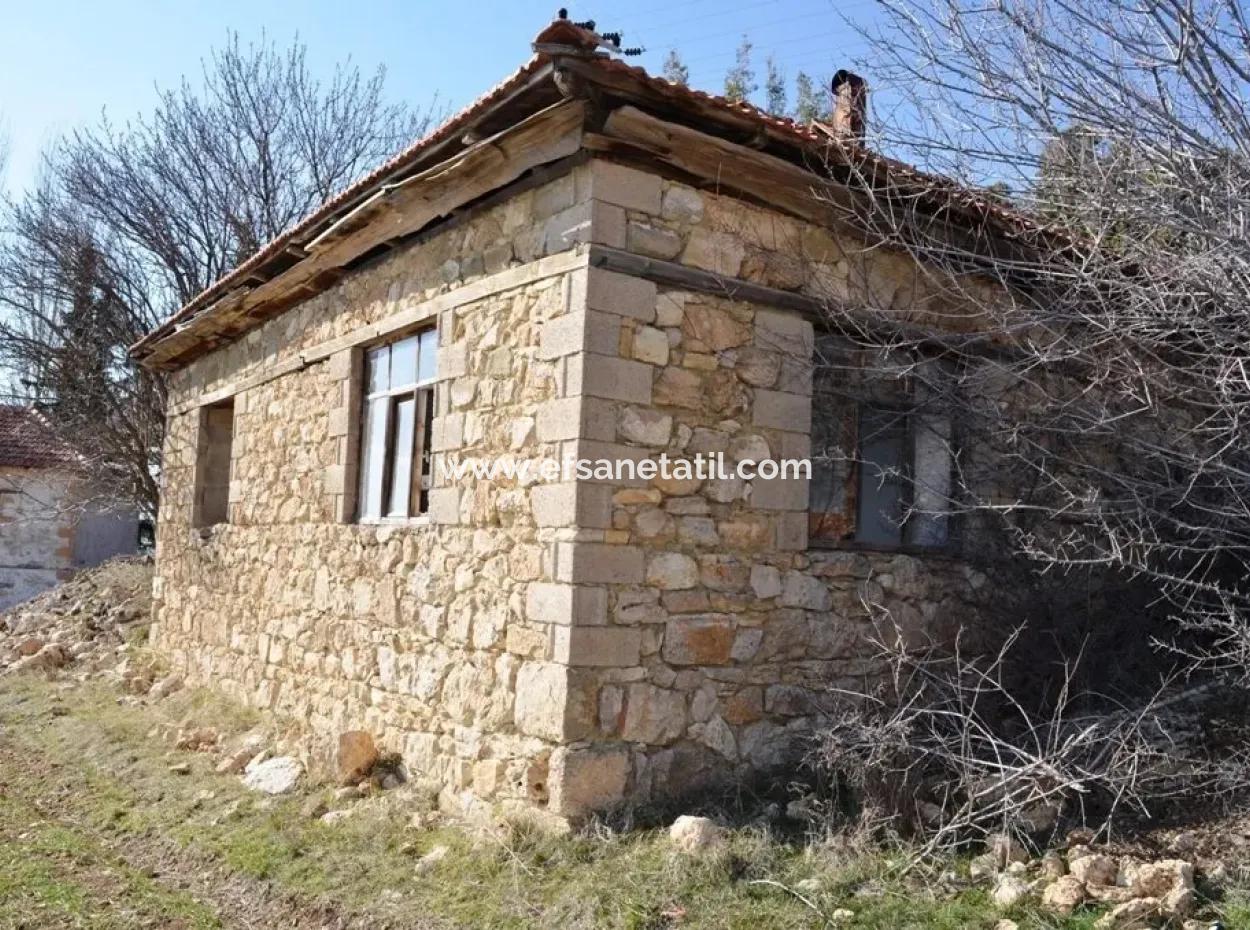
(740, 79)
(675, 69)
(774, 88)
(809, 103)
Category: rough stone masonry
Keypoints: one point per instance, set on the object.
(559, 646)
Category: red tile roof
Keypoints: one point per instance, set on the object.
(27, 440)
(565, 37)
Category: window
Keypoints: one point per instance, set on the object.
(399, 410)
(881, 451)
(212, 464)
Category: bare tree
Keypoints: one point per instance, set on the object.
(1084, 326)
(809, 102)
(1117, 409)
(129, 222)
(949, 750)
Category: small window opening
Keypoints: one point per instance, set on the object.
(213, 464)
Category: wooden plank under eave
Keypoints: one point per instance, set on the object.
(546, 136)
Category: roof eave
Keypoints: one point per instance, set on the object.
(446, 141)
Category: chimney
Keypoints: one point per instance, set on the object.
(850, 105)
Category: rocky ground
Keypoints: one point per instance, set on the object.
(127, 800)
(85, 623)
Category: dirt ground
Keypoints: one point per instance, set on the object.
(116, 812)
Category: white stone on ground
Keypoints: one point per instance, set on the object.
(273, 776)
(695, 834)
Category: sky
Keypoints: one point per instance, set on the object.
(64, 63)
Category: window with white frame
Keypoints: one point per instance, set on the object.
(399, 411)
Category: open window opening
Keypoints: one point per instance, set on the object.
(213, 464)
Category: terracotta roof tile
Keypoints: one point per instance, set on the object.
(974, 204)
(27, 440)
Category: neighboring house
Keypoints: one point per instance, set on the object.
(51, 521)
(591, 262)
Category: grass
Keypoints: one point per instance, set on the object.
(113, 788)
(54, 876)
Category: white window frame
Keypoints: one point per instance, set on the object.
(376, 494)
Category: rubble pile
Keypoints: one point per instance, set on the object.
(1134, 892)
(81, 626)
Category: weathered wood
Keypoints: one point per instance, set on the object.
(506, 280)
(823, 313)
(804, 193)
(402, 209)
(733, 167)
(706, 282)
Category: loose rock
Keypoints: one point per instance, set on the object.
(426, 863)
(1158, 879)
(1094, 869)
(273, 776)
(1137, 914)
(165, 687)
(357, 755)
(1064, 895)
(1009, 891)
(1053, 865)
(1005, 849)
(695, 834)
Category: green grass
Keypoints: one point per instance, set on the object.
(54, 876)
(113, 784)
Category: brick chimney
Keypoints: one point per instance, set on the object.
(850, 105)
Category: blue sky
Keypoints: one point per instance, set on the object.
(61, 64)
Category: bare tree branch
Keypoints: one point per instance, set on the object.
(130, 222)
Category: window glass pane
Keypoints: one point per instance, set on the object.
(882, 460)
(373, 463)
(427, 368)
(831, 498)
(378, 374)
(405, 419)
(404, 363)
(425, 408)
(928, 522)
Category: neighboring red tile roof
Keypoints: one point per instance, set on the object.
(565, 37)
(27, 440)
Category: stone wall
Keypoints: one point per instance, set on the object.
(568, 644)
(36, 532)
(419, 632)
(717, 634)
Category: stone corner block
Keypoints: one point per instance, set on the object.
(583, 780)
(780, 493)
(626, 187)
(614, 292)
(598, 646)
(779, 410)
(598, 563)
(444, 506)
(564, 604)
(552, 702)
(610, 378)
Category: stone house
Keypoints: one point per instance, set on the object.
(52, 523)
(586, 262)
